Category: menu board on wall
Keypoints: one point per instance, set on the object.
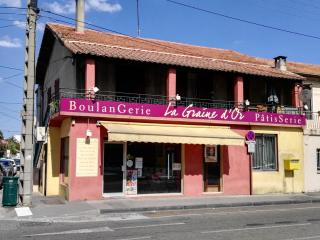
(132, 182)
(87, 157)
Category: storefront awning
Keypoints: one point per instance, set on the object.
(171, 133)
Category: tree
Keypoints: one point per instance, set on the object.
(3, 145)
(13, 145)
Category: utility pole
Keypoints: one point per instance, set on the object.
(27, 114)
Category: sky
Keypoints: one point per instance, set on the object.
(161, 19)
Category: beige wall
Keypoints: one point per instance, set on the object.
(290, 146)
(53, 156)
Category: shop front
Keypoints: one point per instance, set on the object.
(141, 168)
(144, 159)
(132, 155)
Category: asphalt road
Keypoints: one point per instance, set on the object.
(282, 222)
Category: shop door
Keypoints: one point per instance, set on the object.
(113, 176)
(212, 172)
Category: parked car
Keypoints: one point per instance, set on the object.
(9, 166)
(17, 161)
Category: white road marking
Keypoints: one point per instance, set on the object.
(303, 238)
(256, 228)
(135, 238)
(85, 230)
(151, 225)
(233, 212)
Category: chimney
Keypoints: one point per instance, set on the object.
(280, 63)
(79, 16)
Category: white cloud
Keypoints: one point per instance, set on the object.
(22, 25)
(103, 6)
(11, 3)
(69, 7)
(61, 8)
(8, 42)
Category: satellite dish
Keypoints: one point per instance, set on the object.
(305, 95)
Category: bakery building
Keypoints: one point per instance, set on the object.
(126, 116)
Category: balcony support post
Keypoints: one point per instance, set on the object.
(171, 84)
(90, 77)
(238, 91)
(296, 92)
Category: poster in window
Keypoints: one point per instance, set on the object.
(210, 154)
(132, 182)
(138, 162)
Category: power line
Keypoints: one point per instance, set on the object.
(19, 8)
(10, 83)
(7, 13)
(9, 116)
(6, 26)
(12, 68)
(1, 102)
(7, 130)
(242, 20)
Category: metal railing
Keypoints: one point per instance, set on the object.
(164, 100)
(313, 120)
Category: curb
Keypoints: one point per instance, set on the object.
(211, 205)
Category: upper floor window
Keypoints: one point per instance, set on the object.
(265, 156)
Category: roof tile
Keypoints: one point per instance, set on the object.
(155, 51)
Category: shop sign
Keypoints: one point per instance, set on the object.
(251, 146)
(171, 111)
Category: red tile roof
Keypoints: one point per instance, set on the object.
(155, 51)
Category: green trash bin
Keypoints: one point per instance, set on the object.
(10, 191)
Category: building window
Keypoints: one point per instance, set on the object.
(64, 163)
(318, 160)
(265, 156)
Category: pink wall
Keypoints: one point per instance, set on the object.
(235, 170)
(238, 89)
(193, 180)
(171, 83)
(236, 174)
(90, 80)
(85, 188)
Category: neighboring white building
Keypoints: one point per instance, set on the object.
(312, 136)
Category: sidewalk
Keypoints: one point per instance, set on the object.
(53, 208)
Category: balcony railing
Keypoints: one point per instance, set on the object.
(164, 100)
(313, 120)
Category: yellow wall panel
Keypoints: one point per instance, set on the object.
(290, 146)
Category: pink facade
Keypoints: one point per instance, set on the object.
(193, 173)
(296, 102)
(235, 170)
(85, 188)
(234, 160)
(90, 78)
(171, 83)
(238, 90)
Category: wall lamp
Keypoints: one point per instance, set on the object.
(247, 102)
(95, 89)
